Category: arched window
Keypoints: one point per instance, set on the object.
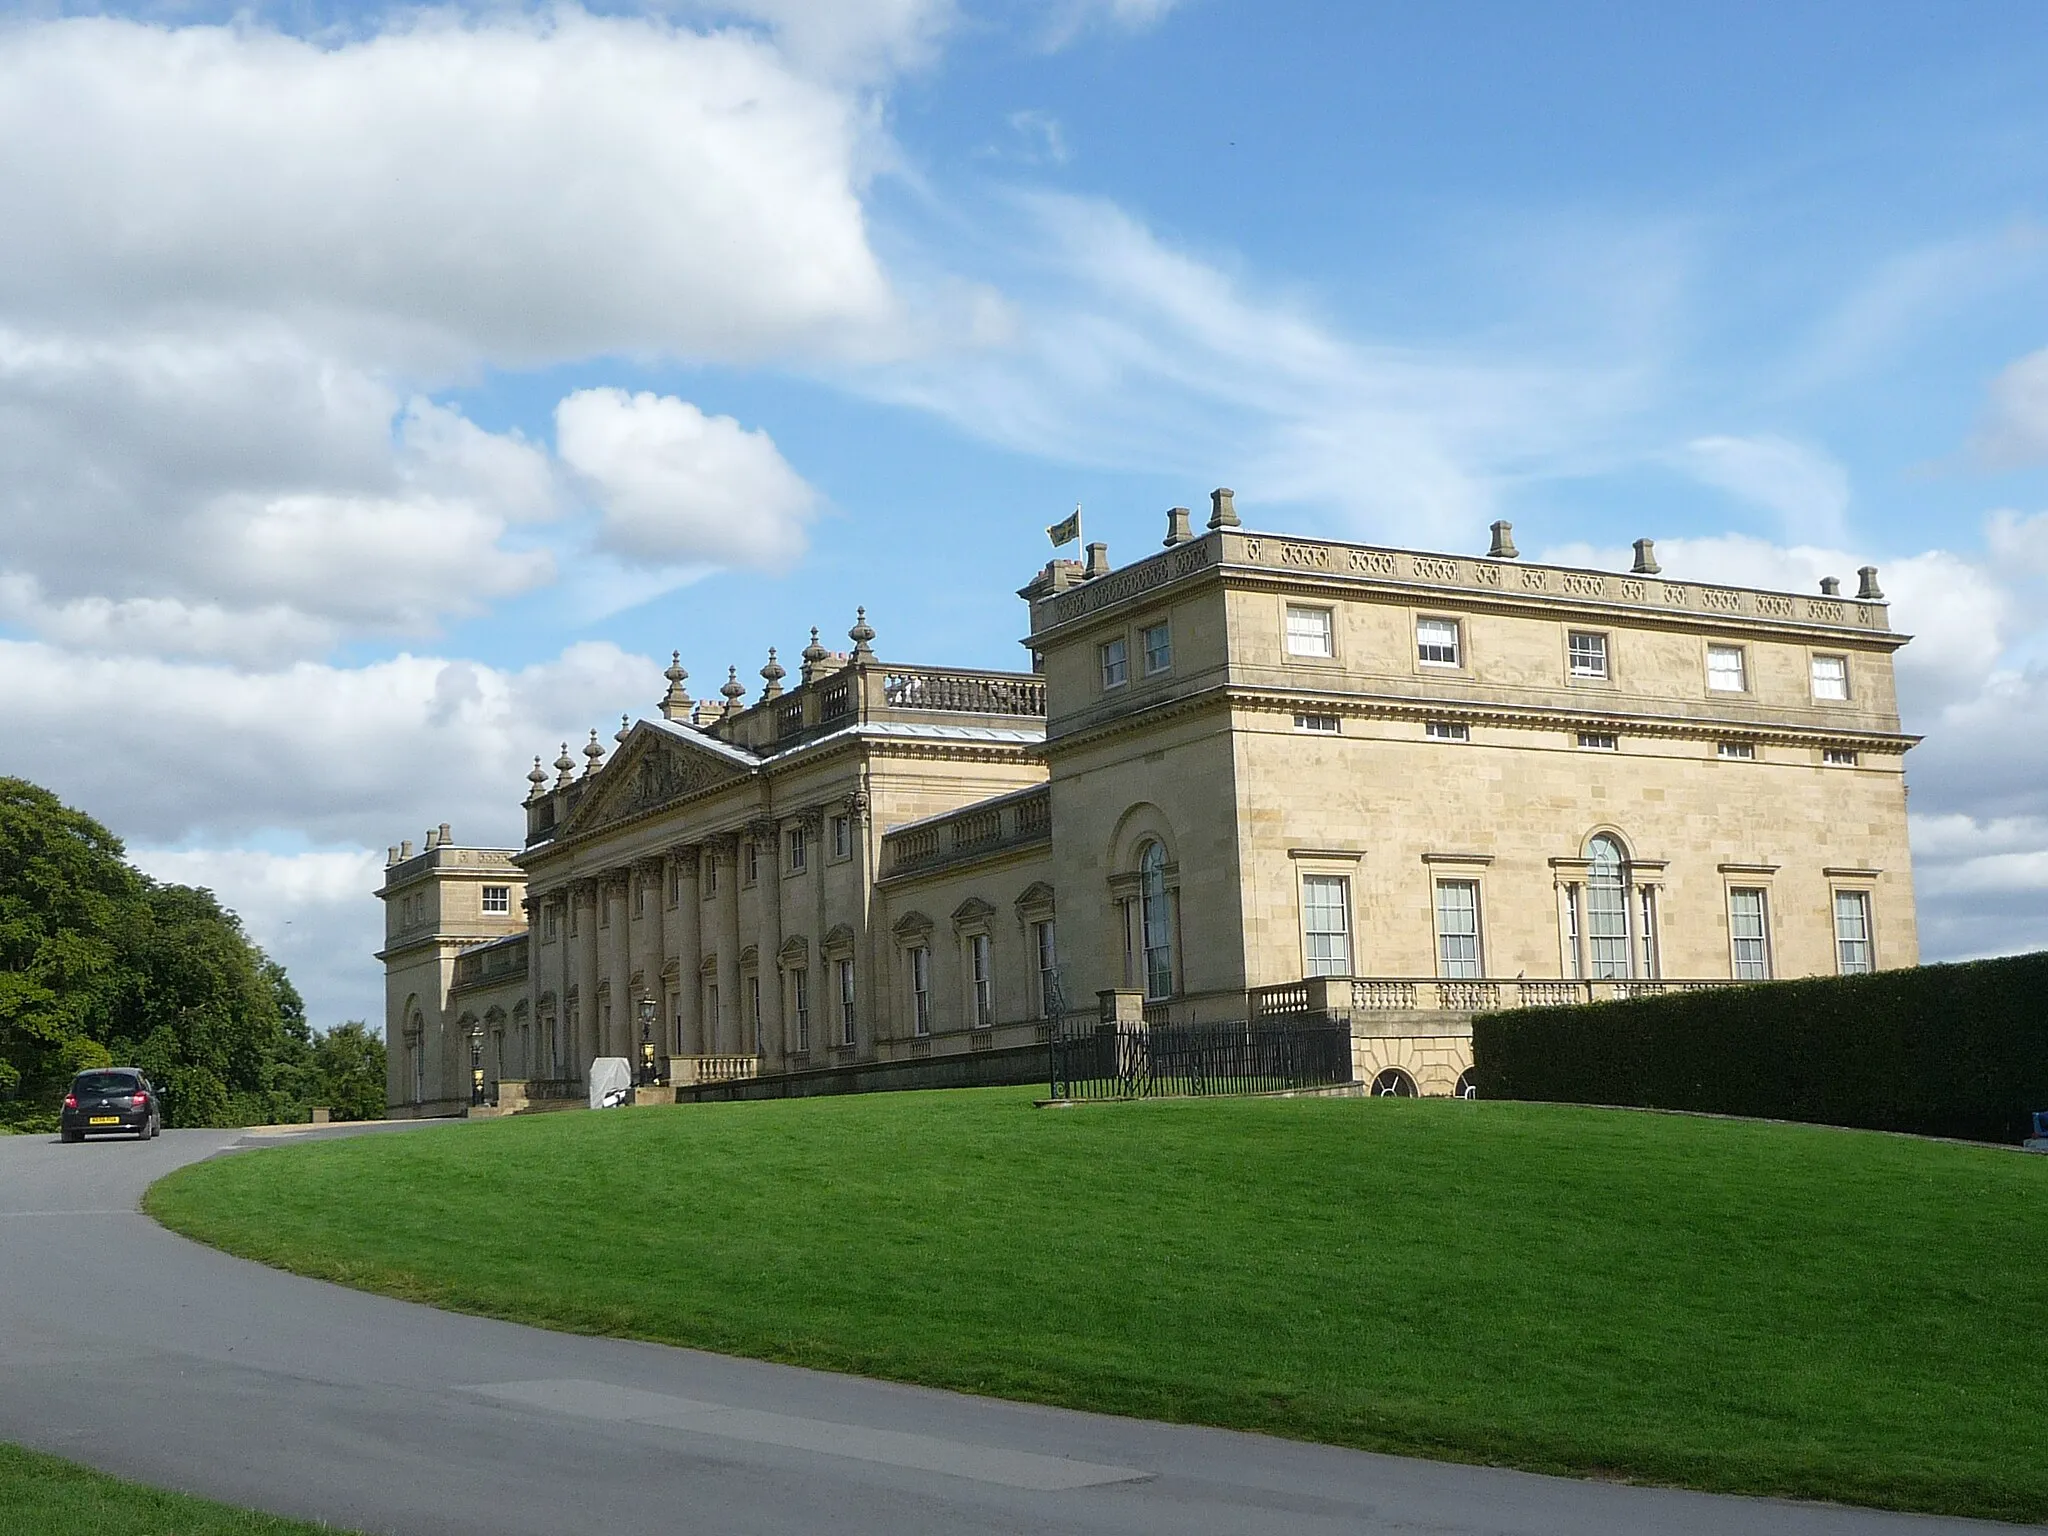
(1607, 908)
(416, 1040)
(1155, 921)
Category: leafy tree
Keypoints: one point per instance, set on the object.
(99, 963)
(348, 1072)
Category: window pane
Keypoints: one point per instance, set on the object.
(1457, 927)
(1436, 642)
(1309, 632)
(1746, 927)
(1156, 919)
(1326, 924)
(1724, 669)
(1831, 677)
(1588, 655)
(1115, 663)
(1607, 910)
(1852, 932)
(1158, 648)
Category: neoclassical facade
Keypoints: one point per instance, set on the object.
(1246, 768)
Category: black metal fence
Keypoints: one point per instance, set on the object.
(1133, 1061)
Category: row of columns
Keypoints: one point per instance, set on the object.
(603, 959)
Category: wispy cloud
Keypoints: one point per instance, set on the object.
(1804, 486)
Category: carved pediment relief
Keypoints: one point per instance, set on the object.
(972, 911)
(839, 942)
(650, 770)
(912, 925)
(1035, 901)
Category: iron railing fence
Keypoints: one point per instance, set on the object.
(1133, 1061)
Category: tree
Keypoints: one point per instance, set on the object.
(348, 1072)
(100, 963)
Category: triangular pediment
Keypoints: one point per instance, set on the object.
(652, 768)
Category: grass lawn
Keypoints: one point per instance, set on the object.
(1718, 1304)
(42, 1496)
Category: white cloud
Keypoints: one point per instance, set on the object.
(678, 487)
(1117, 349)
(1041, 138)
(1068, 19)
(245, 496)
(1807, 488)
(518, 189)
(856, 39)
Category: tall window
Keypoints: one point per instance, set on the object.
(1155, 921)
(754, 1009)
(1748, 927)
(1157, 641)
(845, 973)
(710, 876)
(548, 919)
(799, 848)
(800, 1005)
(1048, 967)
(1831, 678)
(1646, 931)
(1725, 670)
(750, 861)
(1573, 930)
(921, 990)
(842, 836)
(1309, 632)
(1326, 924)
(979, 962)
(1588, 653)
(639, 895)
(497, 898)
(1457, 928)
(1116, 662)
(1607, 909)
(1852, 932)
(1436, 642)
(711, 1019)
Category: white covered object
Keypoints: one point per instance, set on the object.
(611, 1081)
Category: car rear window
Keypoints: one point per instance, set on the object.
(103, 1082)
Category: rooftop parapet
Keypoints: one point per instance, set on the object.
(1482, 579)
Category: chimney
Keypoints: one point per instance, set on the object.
(1867, 587)
(1098, 560)
(1503, 543)
(1646, 558)
(1177, 530)
(447, 837)
(391, 854)
(1831, 586)
(405, 850)
(1222, 511)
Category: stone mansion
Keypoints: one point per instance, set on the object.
(1246, 771)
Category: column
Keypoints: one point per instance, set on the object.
(650, 954)
(687, 944)
(868, 989)
(583, 1036)
(726, 1027)
(616, 895)
(767, 835)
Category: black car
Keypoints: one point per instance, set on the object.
(107, 1100)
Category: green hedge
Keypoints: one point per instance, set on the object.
(1940, 1050)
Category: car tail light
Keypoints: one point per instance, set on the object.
(139, 1100)
(71, 1101)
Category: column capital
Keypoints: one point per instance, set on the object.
(856, 805)
(763, 829)
(685, 856)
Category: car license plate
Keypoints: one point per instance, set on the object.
(104, 1120)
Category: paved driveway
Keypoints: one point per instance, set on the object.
(136, 1351)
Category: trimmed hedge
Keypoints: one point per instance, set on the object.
(1940, 1050)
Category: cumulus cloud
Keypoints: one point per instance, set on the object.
(677, 487)
(2014, 430)
(1805, 487)
(517, 189)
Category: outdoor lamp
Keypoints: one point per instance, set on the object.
(647, 1042)
(476, 1065)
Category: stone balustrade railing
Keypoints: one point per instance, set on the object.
(1021, 817)
(1436, 994)
(976, 693)
(684, 1071)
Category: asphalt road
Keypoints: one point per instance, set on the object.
(135, 1351)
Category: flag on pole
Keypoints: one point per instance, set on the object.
(1066, 532)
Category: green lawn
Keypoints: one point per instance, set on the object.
(42, 1496)
(1720, 1304)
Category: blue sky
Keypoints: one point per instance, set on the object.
(384, 393)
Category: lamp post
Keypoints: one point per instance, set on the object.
(646, 1042)
(476, 1065)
